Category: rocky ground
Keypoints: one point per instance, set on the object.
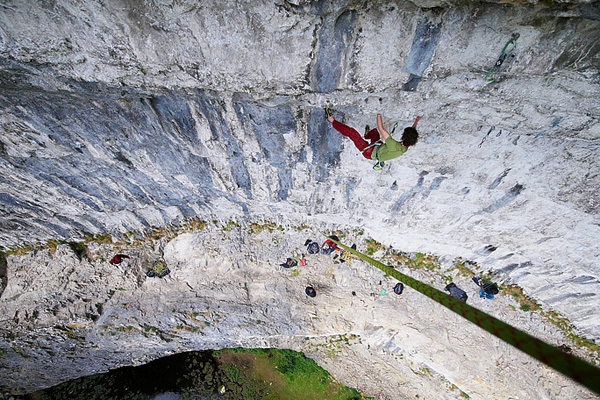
(227, 289)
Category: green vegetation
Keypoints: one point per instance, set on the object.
(230, 226)
(100, 238)
(302, 227)
(80, 249)
(256, 228)
(418, 261)
(373, 246)
(426, 261)
(195, 224)
(525, 303)
(19, 251)
(461, 266)
(279, 374)
(150, 328)
(565, 326)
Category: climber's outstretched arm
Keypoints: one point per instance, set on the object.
(382, 132)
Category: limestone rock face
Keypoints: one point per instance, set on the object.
(120, 116)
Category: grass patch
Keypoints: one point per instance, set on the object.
(463, 269)
(302, 227)
(281, 374)
(150, 328)
(256, 228)
(80, 249)
(196, 224)
(229, 226)
(565, 326)
(158, 233)
(20, 250)
(426, 261)
(525, 303)
(52, 245)
(105, 238)
(373, 246)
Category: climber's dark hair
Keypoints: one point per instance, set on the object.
(410, 136)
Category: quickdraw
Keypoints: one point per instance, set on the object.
(486, 136)
(505, 52)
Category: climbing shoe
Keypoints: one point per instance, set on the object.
(328, 112)
(378, 166)
(367, 129)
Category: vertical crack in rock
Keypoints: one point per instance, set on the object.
(219, 129)
(326, 146)
(333, 49)
(427, 35)
(269, 124)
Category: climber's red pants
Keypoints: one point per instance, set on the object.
(359, 142)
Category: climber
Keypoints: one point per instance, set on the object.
(118, 259)
(382, 146)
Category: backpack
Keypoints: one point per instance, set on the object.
(312, 248)
(328, 246)
(159, 269)
(491, 288)
(398, 288)
(456, 292)
(290, 262)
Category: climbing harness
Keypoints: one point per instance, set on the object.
(377, 143)
(554, 357)
(486, 136)
(505, 52)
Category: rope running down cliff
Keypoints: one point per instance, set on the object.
(567, 364)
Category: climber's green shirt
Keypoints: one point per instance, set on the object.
(388, 150)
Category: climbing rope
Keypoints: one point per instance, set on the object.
(579, 370)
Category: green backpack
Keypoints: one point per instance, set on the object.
(159, 269)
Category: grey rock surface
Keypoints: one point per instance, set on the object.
(116, 117)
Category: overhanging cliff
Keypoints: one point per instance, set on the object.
(119, 117)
